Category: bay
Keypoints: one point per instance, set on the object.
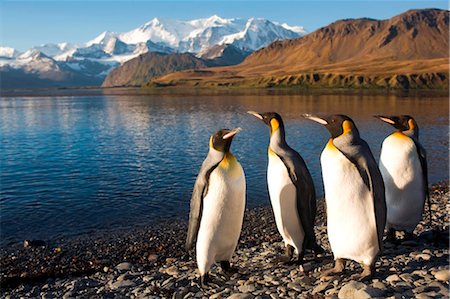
(75, 164)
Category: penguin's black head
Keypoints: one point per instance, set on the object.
(337, 124)
(272, 119)
(400, 122)
(221, 140)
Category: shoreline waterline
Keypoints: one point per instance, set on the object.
(155, 249)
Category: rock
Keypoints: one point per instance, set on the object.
(33, 243)
(349, 290)
(171, 260)
(105, 269)
(321, 287)
(173, 271)
(442, 275)
(406, 277)
(147, 278)
(152, 258)
(247, 288)
(368, 292)
(392, 278)
(294, 286)
(240, 296)
(122, 284)
(124, 266)
(378, 285)
(305, 280)
(177, 295)
(123, 277)
(423, 256)
(220, 294)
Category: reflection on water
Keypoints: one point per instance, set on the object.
(75, 164)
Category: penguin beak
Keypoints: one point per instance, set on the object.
(316, 119)
(385, 119)
(231, 133)
(255, 114)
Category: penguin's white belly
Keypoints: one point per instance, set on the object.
(283, 197)
(351, 221)
(402, 174)
(222, 216)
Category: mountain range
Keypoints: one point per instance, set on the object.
(67, 64)
(138, 71)
(410, 50)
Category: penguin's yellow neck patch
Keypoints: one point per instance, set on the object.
(400, 135)
(271, 152)
(210, 143)
(330, 145)
(228, 161)
(347, 127)
(274, 125)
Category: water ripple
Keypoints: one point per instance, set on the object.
(71, 165)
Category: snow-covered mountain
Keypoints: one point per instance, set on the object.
(198, 35)
(8, 53)
(97, 57)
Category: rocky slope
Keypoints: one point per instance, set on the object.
(34, 69)
(407, 51)
(139, 70)
(224, 55)
(151, 263)
(146, 66)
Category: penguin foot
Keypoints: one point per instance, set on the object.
(391, 238)
(289, 251)
(300, 259)
(226, 267)
(318, 249)
(366, 274)
(339, 266)
(204, 280)
(408, 236)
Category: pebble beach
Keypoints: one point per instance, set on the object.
(150, 262)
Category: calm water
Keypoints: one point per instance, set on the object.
(73, 165)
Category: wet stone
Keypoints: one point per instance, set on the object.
(123, 266)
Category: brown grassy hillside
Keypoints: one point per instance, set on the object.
(407, 51)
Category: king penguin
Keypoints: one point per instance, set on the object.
(354, 195)
(291, 191)
(403, 165)
(217, 206)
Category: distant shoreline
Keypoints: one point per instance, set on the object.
(177, 90)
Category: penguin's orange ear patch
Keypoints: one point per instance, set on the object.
(274, 124)
(411, 124)
(347, 126)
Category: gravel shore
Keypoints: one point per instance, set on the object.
(150, 262)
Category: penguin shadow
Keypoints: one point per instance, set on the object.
(393, 253)
(250, 270)
(437, 239)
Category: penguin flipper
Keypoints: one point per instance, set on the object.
(196, 206)
(306, 194)
(360, 155)
(423, 163)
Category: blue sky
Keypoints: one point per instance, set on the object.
(24, 24)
